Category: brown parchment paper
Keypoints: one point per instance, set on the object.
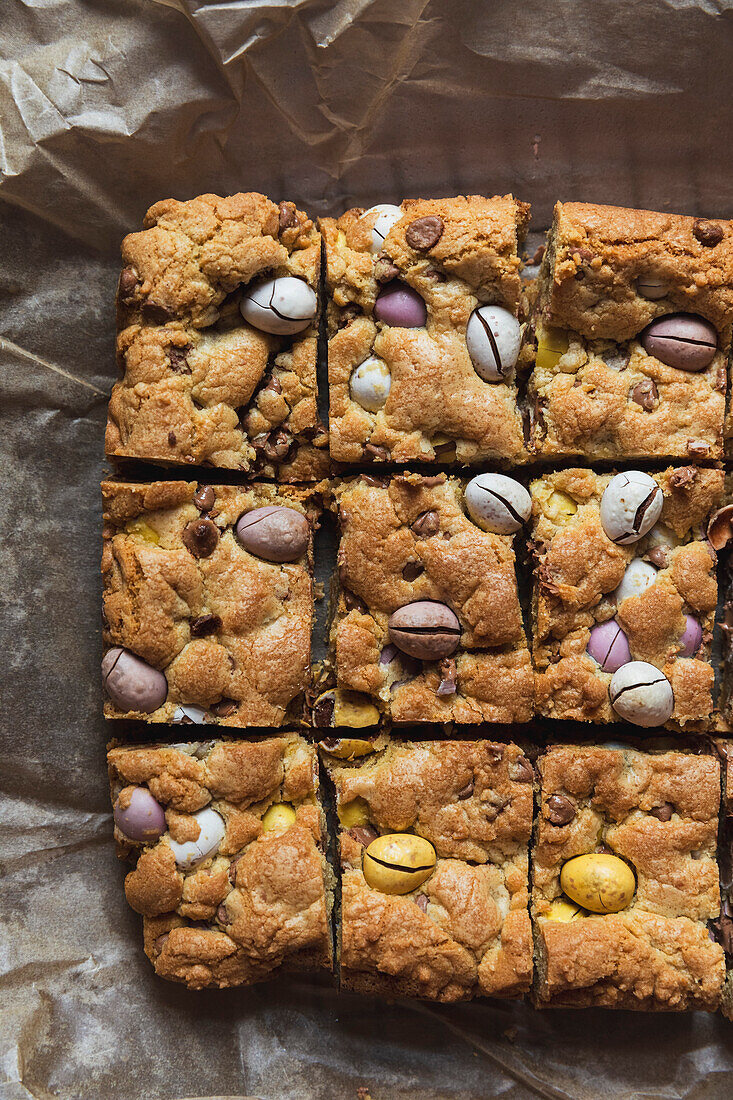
(105, 107)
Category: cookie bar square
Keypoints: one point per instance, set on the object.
(228, 843)
(408, 548)
(633, 835)
(608, 614)
(209, 376)
(418, 370)
(630, 335)
(208, 602)
(458, 927)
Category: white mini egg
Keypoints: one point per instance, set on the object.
(370, 384)
(497, 503)
(630, 506)
(637, 578)
(206, 844)
(387, 216)
(281, 306)
(493, 336)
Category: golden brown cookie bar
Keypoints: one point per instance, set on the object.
(664, 608)
(653, 813)
(464, 930)
(444, 257)
(406, 540)
(208, 602)
(596, 390)
(200, 384)
(228, 842)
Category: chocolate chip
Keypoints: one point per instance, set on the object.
(663, 812)
(449, 674)
(171, 439)
(659, 556)
(232, 872)
(374, 481)
(377, 454)
(161, 941)
(426, 524)
(353, 602)
(465, 792)
(363, 834)
(645, 393)
(495, 753)
(445, 450)
(385, 270)
(221, 914)
(288, 217)
(421, 901)
(411, 570)
(178, 359)
(720, 527)
(277, 445)
(521, 771)
(348, 314)
(155, 312)
(128, 284)
(560, 810)
(604, 850)
(698, 448)
(425, 232)
(721, 931)
(683, 477)
(204, 498)
(273, 385)
(205, 624)
(200, 537)
(707, 233)
(323, 712)
(224, 707)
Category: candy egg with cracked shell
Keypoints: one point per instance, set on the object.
(639, 575)
(397, 863)
(609, 646)
(274, 533)
(682, 340)
(282, 306)
(630, 506)
(691, 637)
(497, 503)
(493, 336)
(425, 629)
(387, 216)
(600, 882)
(211, 833)
(370, 384)
(138, 815)
(640, 693)
(131, 683)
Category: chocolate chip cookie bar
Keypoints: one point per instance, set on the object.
(630, 335)
(425, 304)
(218, 314)
(208, 602)
(434, 887)
(230, 875)
(427, 625)
(625, 879)
(624, 595)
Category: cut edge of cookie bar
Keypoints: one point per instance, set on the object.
(578, 570)
(722, 927)
(655, 953)
(239, 816)
(201, 385)
(220, 635)
(419, 789)
(470, 258)
(368, 681)
(594, 391)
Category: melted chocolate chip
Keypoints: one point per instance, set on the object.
(426, 524)
(178, 359)
(204, 498)
(288, 216)
(707, 233)
(465, 792)
(560, 810)
(353, 602)
(521, 771)
(128, 284)
(205, 624)
(363, 834)
(200, 537)
(224, 707)
(663, 812)
(423, 233)
(645, 393)
(412, 570)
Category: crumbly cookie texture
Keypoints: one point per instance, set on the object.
(230, 631)
(658, 813)
(438, 409)
(723, 926)
(407, 538)
(261, 902)
(199, 384)
(594, 389)
(577, 570)
(466, 930)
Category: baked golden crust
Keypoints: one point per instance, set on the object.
(465, 932)
(438, 408)
(261, 903)
(257, 658)
(470, 570)
(579, 567)
(199, 384)
(658, 812)
(583, 399)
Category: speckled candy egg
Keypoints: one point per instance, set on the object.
(497, 503)
(387, 216)
(493, 338)
(630, 506)
(370, 384)
(206, 845)
(282, 306)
